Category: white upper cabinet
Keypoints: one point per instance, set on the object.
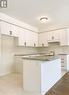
(61, 36)
(42, 39)
(32, 38)
(21, 37)
(64, 37)
(54, 36)
(9, 29)
(35, 39)
(5, 28)
(14, 30)
(27, 38)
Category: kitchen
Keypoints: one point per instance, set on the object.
(20, 41)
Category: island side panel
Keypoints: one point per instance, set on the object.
(31, 76)
(67, 65)
(50, 74)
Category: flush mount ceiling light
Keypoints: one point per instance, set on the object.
(43, 19)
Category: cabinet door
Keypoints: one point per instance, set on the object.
(34, 39)
(63, 37)
(31, 38)
(28, 38)
(14, 30)
(5, 28)
(56, 35)
(43, 39)
(21, 38)
(49, 35)
(53, 36)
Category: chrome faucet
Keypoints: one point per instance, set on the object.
(52, 53)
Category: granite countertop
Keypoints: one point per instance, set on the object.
(31, 54)
(63, 54)
(41, 58)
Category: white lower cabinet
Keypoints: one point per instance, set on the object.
(40, 76)
(64, 61)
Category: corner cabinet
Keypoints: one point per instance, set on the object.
(42, 39)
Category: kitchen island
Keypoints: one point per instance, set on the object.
(40, 73)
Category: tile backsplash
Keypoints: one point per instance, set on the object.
(56, 48)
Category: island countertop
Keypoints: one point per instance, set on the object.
(41, 58)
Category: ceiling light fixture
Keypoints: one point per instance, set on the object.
(43, 19)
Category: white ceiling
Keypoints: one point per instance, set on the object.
(30, 10)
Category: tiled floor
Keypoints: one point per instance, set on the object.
(12, 85)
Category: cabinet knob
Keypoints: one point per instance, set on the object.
(25, 43)
(34, 44)
(42, 44)
(52, 37)
(10, 32)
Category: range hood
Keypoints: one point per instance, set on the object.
(54, 41)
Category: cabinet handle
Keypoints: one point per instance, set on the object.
(42, 44)
(10, 32)
(25, 43)
(52, 37)
(34, 44)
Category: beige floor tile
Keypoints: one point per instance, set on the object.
(12, 85)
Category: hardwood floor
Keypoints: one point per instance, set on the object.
(61, 87)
